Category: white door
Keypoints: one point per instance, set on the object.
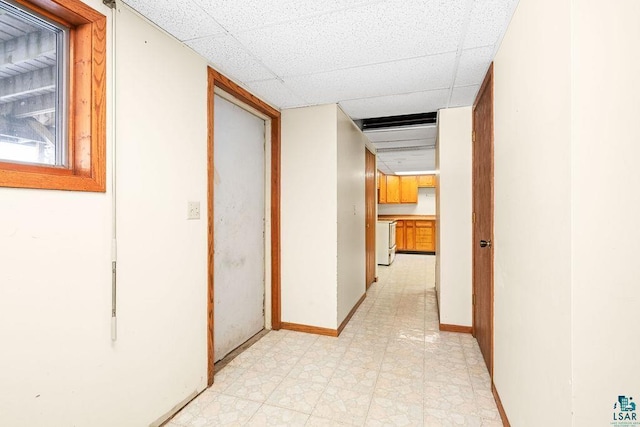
(239, 187)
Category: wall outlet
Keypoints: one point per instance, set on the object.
(193, 210)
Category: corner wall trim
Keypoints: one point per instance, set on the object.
(456, 328)
(351, 313)
(309, 329)
(503, 414)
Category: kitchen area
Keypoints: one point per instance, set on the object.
(406, 183)
(406, 215)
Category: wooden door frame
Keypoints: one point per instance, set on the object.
(487, 84)
(370, 196)
(217, 80)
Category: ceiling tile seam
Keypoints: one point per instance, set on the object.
(498, 42)
(485, 69)
(496, 45)
(370, 64)
(150, 21)
(470, 85)
(210, 36)
(463, 36)
(393, 94)
(258, 60)
(405, 141)
(310, 15)
(225, 31)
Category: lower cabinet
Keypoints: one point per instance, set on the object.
(416, 236)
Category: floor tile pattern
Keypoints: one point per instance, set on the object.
(389, 367)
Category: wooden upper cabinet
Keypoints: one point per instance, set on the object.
(408, 189)
(393, 189)
(426, 181)
(382, 192)
(402, 189)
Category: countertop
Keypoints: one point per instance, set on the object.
(408, 217)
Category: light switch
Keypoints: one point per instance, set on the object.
(193, 210)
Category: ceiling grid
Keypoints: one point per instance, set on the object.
(374, 58)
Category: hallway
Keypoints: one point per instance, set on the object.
(390, 366)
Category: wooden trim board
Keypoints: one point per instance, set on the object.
(503, 414)
(456, 328)
(215, 79)
(324, 331)
(309, 329)
(351, 313)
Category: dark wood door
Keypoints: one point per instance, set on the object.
(483, 219)
(370, 216)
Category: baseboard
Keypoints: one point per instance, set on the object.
(503, 414)
(456, 328)
(309, 329)
(177, 408)
(351, 313)
(323, 331)
(417, 252)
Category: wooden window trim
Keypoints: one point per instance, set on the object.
(86, 169)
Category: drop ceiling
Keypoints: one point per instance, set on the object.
(375, 58)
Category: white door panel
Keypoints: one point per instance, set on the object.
(239, 189)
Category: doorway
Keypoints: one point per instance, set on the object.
(239, 226)
(221, 85)
(370, 216)
(483, 219)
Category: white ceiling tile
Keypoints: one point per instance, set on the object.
(409, 161)
(227, 55)
(411, 143)
(402, 134)
(473, 66)
(463, 96)
(381, 106)
(238, 16)
(404, 76)
(384, 168)
(182, 18)
(378, 32)
(275, 93)
(489, 20)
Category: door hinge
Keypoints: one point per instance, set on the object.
(473, 136)
(473, 302)
(473, 218)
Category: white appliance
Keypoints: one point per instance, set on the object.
(385, 242)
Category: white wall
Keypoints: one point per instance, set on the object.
(60, 366)
(351, 214)
(606, 236)
(309, 207)
(426, 205)
(532, 236)
(453, 250)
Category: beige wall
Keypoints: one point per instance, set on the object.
(605, 205)
(351, 214)
(532, 236)
(453, 266)
(309, 209)
(59, 364)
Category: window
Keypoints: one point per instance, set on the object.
(52, 95)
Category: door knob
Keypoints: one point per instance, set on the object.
(485, 243)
